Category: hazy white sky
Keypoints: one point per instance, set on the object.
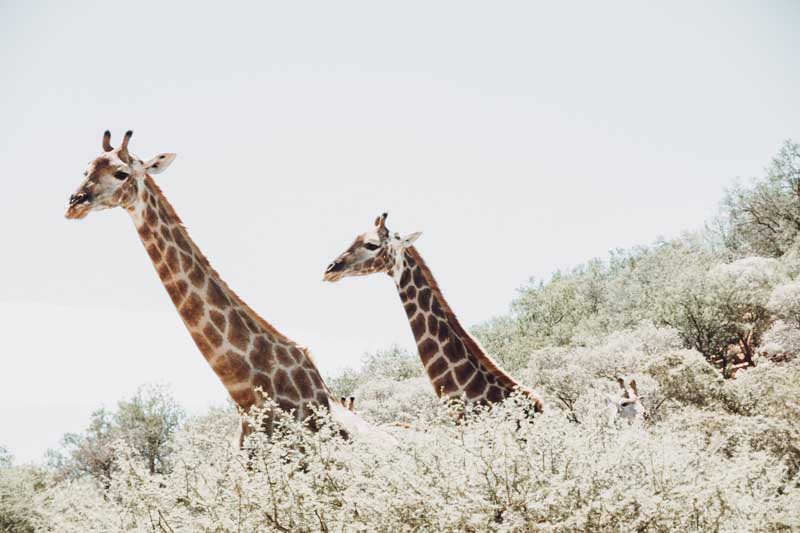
(519, 137)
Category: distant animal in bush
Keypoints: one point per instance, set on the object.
(629, 404)
(456, 364)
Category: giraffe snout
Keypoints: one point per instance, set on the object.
(79, 205)
(333, 272)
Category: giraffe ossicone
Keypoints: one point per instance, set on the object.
(247, 353)
(458, 367)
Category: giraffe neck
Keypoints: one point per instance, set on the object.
(242, 348)
(456, 364)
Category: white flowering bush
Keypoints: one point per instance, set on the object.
(781, 340)
(17, 485)
(494, 470)
(715, 455)
(784, 302)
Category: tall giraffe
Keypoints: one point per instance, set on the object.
(456, 364)
(243, 349)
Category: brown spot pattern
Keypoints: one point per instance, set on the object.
(218, 319)
(172, 260)
(144, 232)
(300, 378)
(454, 350)
(205, 348)
(261, 354)
(411, 292)
(438, 366)
(283, 356)
(216, 296)
(424, 299)
(433, 325)
(231, 368)
(244, 398)
(150, 217)
(212, 334)
(197, 277)
(186, 262)
(263, 381)
(153, 252)
(164, 273)
(463, 372)
(445, 384)
(426, 349)
(237, 334)
(192, 309)
(419, 281)
(180, 240)
(476, 386)
(418, 326)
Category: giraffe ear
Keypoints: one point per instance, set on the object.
(408, 240)
(159, 163)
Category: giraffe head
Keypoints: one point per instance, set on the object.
(112, 178)
(377, 250)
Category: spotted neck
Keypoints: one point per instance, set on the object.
(456, 364)
(243, 349)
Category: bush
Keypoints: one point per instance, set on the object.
(495, 471)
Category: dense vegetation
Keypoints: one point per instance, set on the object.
(707, 323)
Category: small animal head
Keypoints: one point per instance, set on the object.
(629, 404)
(112, 178)
(377, 250)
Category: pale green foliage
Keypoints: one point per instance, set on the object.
(5, 457)
(781, 339)
(147, 421)
(784, 302)
(386, 401)
(769, 389)
(17, 486)
(393, 363)
(765, 216)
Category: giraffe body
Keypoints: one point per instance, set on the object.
(456, 364)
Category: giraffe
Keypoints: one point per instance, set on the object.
(247, 353)
(456, 364)
(629, 404)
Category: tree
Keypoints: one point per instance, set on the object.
(764, 218)
(5, 457)
(148, 422)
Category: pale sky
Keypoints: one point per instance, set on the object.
(518, 137)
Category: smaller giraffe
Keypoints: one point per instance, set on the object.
(457, 365)
(629, 404)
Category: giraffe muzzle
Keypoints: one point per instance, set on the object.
(79, 205)
(334, 271)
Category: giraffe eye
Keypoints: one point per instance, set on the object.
(371, 247)
(120, 175)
